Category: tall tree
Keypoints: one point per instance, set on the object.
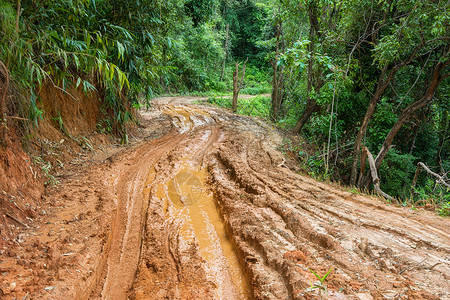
(277, 77)
(237, 83)
(437, 76)
(406, 39)
(314, 71)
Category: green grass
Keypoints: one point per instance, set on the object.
(319, 284)
(220, 101)
(258, 106)
(257, 89)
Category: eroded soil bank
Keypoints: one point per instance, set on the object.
(203, 206)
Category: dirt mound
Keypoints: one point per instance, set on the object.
(202, 206)
(73, 112)
(20, 189)
(284, 225)
(70, 123)
(66, 135)
(67, 126)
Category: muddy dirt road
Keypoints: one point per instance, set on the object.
(204, 207)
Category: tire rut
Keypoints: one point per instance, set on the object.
(333, 229)
(276, 224)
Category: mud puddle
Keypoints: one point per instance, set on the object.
(185, 118)
(144, 225)
(190, 203)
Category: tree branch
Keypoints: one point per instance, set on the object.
(439, 177)
(375, 179)
(445, 76)
(16, 118)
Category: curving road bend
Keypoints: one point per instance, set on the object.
(209, 209)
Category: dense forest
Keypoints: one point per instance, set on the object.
(357, 80)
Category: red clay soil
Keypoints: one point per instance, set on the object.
(66, 132)
(20, 188)
(127, 224)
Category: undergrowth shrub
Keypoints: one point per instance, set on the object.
(258, 106)
(220, 101)
(432, 193)
(396, 174)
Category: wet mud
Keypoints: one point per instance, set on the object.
(207, 208)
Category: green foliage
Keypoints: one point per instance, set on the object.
(444, 209)
(197, 60)
(126, 50)
(34, 112)
(423, 24)
(47, 169)
(334, 58)
(330, 53)
(383, 120)
(256, 81)
(200, 10)
(316, 167)
(430, 192)
(220, 101)
(61, 42)
(396, 174)
(319, 285)
(258, 106)
(247, 20)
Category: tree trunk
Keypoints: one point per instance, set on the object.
(406, 114)
(376, 180)
(311, 104)
(277, 79)
(362, 167)
(226, 53)
(311, 107)
(235, 87)
(410, 110)
(237, 84)
(314, 78)
(275, 88)
(381, 87)
(3, 98)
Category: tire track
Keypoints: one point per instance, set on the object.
(280, 223)
(362, 241)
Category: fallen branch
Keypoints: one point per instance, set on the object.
(16, 118)
(282, 164)
(375, 179)
(17, 220)
(439, 177)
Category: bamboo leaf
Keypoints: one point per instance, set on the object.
(111, 72)
(120, 50)
(76, 60)
(65, 59)
(87, 39)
